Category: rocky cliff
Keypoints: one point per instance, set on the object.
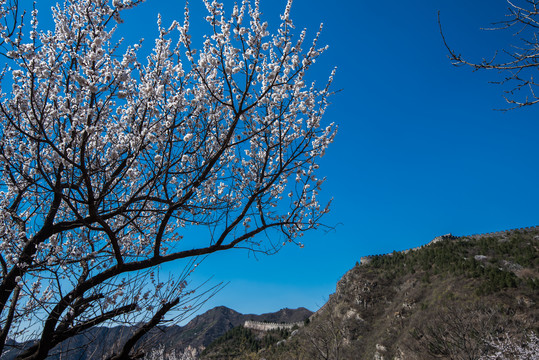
(450, 300)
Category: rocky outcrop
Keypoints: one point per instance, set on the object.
(396, 306)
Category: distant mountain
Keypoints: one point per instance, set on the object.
(455, 298)
(198, 333)
(205, 328)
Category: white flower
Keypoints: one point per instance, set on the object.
(187, 137)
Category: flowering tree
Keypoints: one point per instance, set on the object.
(111, 164)
(507, 348)
(159, 353)
(518, 63)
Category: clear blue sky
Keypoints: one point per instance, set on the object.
(420, 151)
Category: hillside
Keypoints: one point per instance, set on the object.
(446, 300)
(242, 342)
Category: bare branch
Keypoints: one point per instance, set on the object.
(519, 63)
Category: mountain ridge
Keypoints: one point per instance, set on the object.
(397, 306)
(452, 298)
(197, 333)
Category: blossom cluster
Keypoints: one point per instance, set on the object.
(507, 348)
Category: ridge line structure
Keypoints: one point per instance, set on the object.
(367, 259)
(266, 326)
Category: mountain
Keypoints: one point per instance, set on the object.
(198, 333)
(455, 298)
(207, 327)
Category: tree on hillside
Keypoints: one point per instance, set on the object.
(112, 165)
(457, 332)
(507, 348)
(520, 62)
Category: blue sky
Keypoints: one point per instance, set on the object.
(420, 152)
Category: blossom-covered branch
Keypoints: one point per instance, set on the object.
(108, 161)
